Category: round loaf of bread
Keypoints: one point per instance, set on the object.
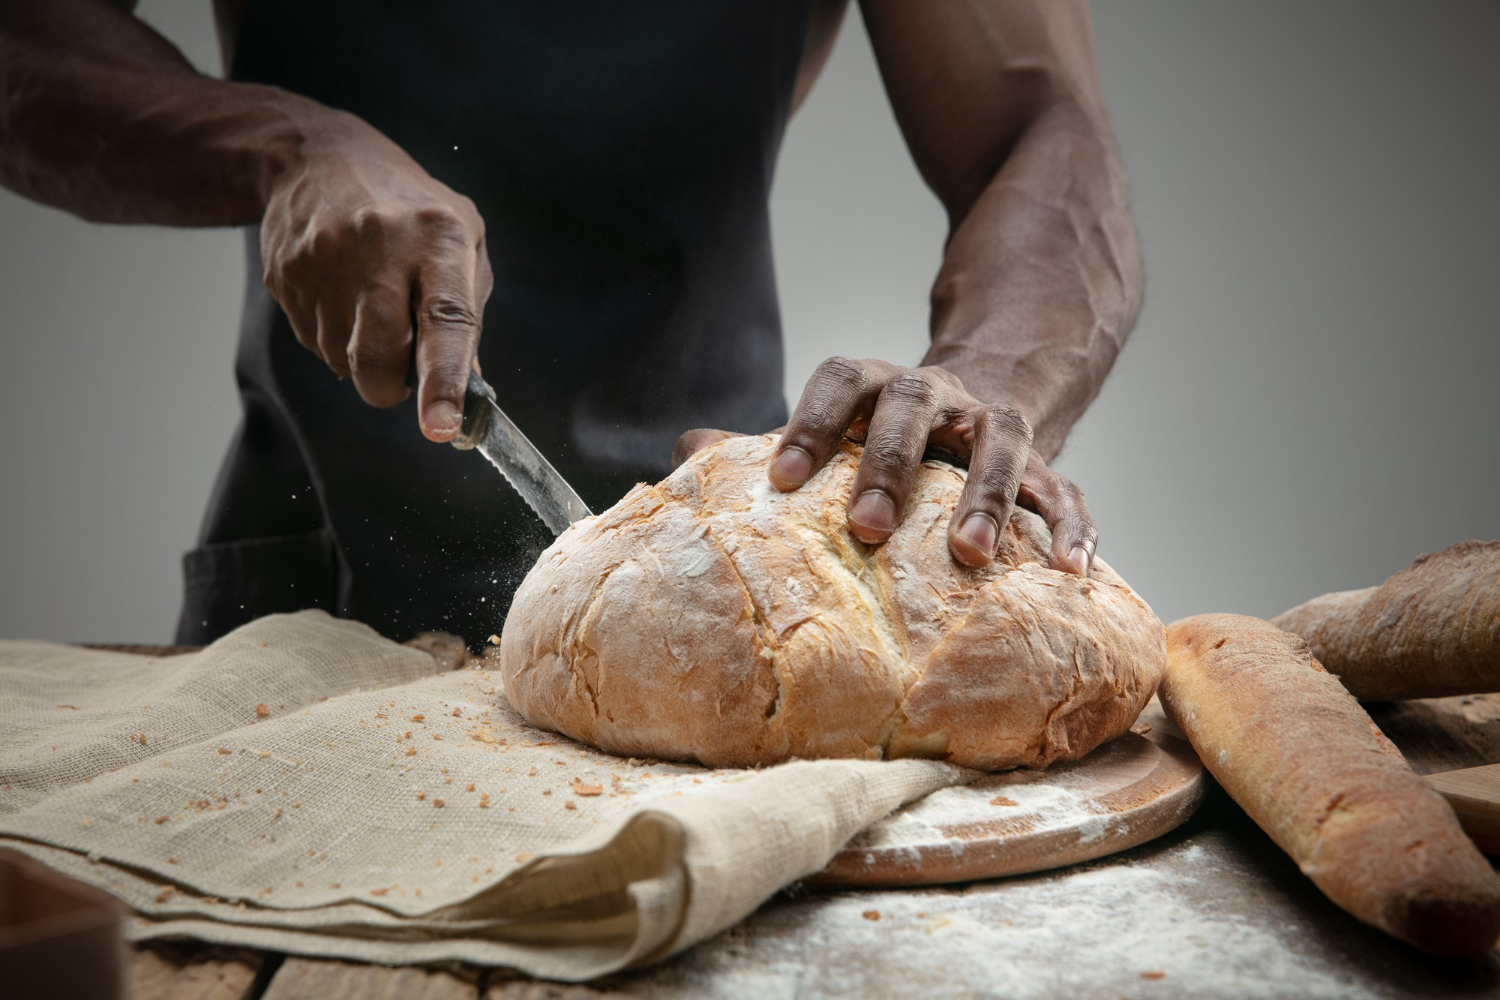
(714, 618)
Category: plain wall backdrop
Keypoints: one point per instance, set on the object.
(1307, 403)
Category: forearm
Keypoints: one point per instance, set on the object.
(102, 117)
(1041, 281)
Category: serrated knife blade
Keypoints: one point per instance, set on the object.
(489, 431)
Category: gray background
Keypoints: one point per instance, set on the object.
(1306, 405)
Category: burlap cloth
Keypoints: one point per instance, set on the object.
(306, 786)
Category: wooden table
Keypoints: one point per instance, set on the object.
(1213, 909)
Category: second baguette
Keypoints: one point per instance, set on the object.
(1296, 751)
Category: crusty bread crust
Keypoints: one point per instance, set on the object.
(1300, 756)
(715, 619)
(1430, 631)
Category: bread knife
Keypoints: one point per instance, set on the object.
(489, 431)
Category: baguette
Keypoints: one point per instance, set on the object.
(1430, 631)
(1296, 751)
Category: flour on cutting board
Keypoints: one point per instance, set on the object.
(1030, 808)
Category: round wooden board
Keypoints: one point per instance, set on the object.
(1128, 791)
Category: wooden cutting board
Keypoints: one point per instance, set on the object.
(1128, 791)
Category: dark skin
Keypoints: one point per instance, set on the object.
(1000, 106)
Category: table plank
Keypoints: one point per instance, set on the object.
(317, 979)
(190, 971)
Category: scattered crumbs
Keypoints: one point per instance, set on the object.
(494, 640)
(438, 803)
(447, 781)
(411, 751)
(172, 861)
(142, 739)
(871, 914)
(469, 787)
(458, 713)
(264, 754)
(225, 750)
(531, 773)
(585, 789)
(1001, 800)
(73, 707)
(261, 711)
(421, 796)
(167, 892)
(570, 805)
(417, 718)
(379, 892)
(1153, 974)
(335, 885)
(522, 858)
(276, 815)
(160, 820)
(546, 791)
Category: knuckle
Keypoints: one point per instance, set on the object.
(912, 387)
(370, 222)
(841, 370)
(1001, 419)
(367, 357)
(440, 220)
(942, 376)
(447, 311)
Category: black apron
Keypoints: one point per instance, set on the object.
(621, 155)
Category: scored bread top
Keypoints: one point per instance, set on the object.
(713, 618)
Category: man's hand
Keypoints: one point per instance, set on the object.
(357, 239)
(902, 412)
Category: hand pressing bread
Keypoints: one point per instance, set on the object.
(1430, 631)
(1296, 751)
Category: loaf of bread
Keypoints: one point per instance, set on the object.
(713, 618)
(1300, 756)
(1430, 631)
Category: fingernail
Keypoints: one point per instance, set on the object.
(791, 468)
(1080, 558)
(874, 511)
(980, 531)
(443, 417)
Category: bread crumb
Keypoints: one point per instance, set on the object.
(871, 914)
(167, 892)
(1001, 800)
(379, 892)
(264, 754)
(546, 791)
(225, 750)
(585, 789)
(438, 803)
(484, 803)
(447, 781)
(160, 820)
(418, 717)
(522, 858)
(458, 713)
(570, 805)
(421, 796)
(411, 751)
(494, 640)
(172, 861)
(1153, 974)
(261, 711)
(142, 738)
(335, 885)
(469, 787)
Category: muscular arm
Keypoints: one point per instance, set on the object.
(104, 118)
(1001, 108)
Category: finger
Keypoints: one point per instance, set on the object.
(335, 316)
(689, 443)
(905, 411)
(300, 313)
(448, 326)
(837, 393)
(1001, 447)
(1060, 503)
(380, 346)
